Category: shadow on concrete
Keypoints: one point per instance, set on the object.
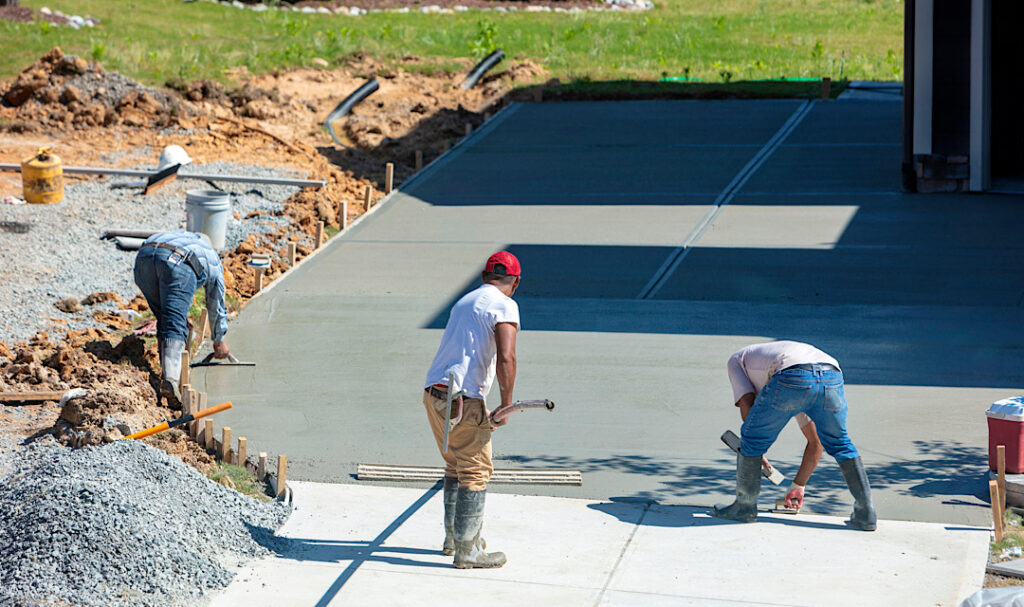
(357, 552)
(943, 468)
(324, 551)
(693, 516)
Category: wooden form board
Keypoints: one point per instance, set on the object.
(514, 476)
(30, 397)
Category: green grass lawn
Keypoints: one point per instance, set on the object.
(706, 40)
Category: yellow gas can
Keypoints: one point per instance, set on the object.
(42, 178)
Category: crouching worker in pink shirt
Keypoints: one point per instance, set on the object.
(772, 383)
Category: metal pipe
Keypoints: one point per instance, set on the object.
(130, 233)
(302, 183)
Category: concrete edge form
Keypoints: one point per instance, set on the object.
(517, 476)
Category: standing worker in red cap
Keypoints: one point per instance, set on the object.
(479, 343)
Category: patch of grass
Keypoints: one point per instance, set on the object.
(244, 482)
(198, 304)
(232, 304)
(708, 40)
(1014, 537)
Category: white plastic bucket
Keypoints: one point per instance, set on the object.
(207, 212)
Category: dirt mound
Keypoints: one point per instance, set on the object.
(69, 92)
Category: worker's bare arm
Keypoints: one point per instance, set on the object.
(745, 403)
(505, 371)
(812, 454)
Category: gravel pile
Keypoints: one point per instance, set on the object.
(109, 88)
(122, 524)
(62, 255)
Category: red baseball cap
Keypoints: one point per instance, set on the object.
(503, 262)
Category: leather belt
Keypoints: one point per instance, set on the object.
(437, 393)
(810, 366)
(186, 256)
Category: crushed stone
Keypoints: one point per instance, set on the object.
(121, 524)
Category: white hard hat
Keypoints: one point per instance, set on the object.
(173, 154)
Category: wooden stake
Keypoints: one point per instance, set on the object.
(30, 397)
(242, 451)
(293, 253)
(997, 513)
(258, 278)
(282, 469)
(343, 223)
(193, 427)
(1001, 471)
(208, 434)
(487, 116)
(368, 198)
(186, 399)
(469, 129)
(183, 378)
(225, 444)
(419, 160)
(319, 234)
(389, 177)
(538, 95)
(826, 88)
(261, 467)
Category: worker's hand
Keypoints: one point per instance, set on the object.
(496, 423)
(795, 497)
(765, 464)
(220, 349)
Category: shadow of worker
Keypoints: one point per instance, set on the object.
(643, 511)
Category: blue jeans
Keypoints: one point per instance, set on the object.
(818, 392)
(168, 286)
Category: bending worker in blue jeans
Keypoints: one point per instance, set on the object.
(169, 268)
(772, 383)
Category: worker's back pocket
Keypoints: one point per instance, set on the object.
(835, 398)
(791, 397)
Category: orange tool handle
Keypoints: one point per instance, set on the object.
(181, 420)
(211, 410)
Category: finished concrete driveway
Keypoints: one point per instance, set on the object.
(656, 238)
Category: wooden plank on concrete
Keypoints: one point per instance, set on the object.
(512, 476)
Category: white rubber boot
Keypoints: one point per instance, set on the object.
(170, 369)
(469, 520)
(451, 491)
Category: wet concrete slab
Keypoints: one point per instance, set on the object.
(917, 296)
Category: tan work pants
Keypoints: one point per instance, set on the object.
(469, 442)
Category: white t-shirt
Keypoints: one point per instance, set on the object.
(468, 342)
(752, 367)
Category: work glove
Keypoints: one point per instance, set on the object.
(795, 497)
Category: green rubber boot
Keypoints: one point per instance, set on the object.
(748, 486)
(469, 520)
(863, 516)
